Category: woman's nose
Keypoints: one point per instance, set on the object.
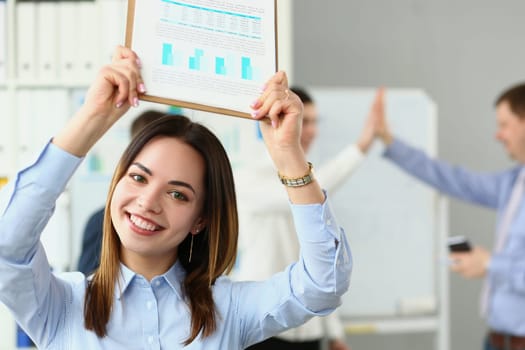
(149, 201)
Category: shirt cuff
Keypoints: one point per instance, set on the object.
(52, 169)
(315, 222)
(354, 152)
(498, 267)
(396, 150)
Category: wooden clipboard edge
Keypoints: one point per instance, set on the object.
(276, 32)
(130, 22)
(186, 104)
(198, 106)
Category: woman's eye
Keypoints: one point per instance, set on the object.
(137, 177)
(178, 195)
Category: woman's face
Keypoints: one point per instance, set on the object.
(157, 203)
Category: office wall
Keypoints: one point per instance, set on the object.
(462, 53)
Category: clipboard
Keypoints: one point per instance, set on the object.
(208, 55)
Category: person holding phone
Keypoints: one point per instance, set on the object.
(503, 297)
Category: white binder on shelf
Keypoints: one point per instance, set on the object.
(51, 110)
(88, 33)
(68, 40)
(4, 136)
(3, 42)
(41, 114)
(25, 127)
(26, 40)
(47, 41)
(112, 17)
(8, 327)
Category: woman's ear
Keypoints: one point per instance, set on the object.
(199, 225)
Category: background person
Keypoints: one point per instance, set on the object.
(503, 296)
(268, 242)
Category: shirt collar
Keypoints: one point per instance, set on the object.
(174, 277)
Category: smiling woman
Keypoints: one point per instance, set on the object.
(158, 194)
(170, 234)
(161, 197)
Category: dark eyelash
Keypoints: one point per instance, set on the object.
(181, 195)
(137, 177)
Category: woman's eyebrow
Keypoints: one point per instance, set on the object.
(182, 183)
(171, 182)
(143, 168)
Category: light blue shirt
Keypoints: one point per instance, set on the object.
(506, 270)
(154, 315)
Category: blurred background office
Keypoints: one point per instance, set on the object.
(461, 53)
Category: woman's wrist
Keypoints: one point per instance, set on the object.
(297, 181)
(80, 133)
(292, 167)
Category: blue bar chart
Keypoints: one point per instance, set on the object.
(199, 60)
(211, 55)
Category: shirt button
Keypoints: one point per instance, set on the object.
(329, 222)
(149, 304)
(157, 283)
(150, 339)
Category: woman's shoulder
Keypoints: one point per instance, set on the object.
(223, 284)
(227, 288)
(75, 280)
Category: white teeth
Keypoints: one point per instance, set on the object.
(142, 223)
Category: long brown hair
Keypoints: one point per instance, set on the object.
(214, 248)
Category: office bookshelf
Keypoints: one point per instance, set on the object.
(49, 53)
(53, 46)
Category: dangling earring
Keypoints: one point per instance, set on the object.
(191, 249)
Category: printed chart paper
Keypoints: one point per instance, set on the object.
(209, 55)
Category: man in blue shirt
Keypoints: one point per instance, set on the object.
(503, 297)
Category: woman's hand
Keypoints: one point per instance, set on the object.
(280, 112)
(116, 88)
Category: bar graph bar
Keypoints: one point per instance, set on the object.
(247, 71)
(195, 61)
(220, 68)
(167, 54)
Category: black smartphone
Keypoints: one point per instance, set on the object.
(458, 244)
